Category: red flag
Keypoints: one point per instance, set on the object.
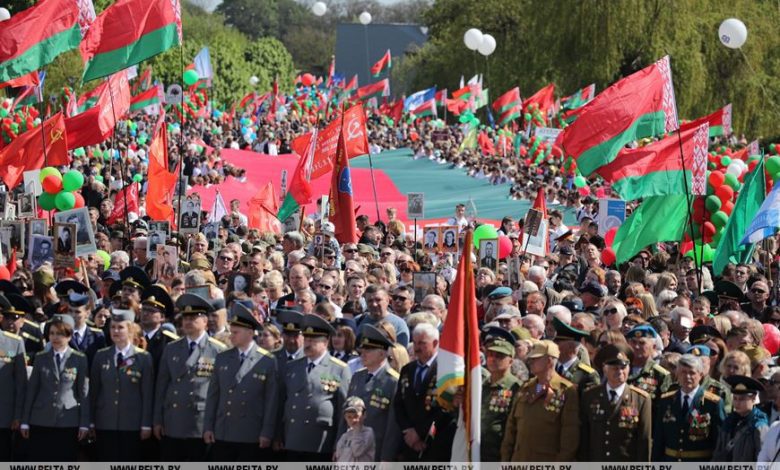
(26, 152)
(456, 106)
(30, 80)
(97, 123)
(262, 210)
(385, 63)
(11, 266)
(342, 212)
(544, 99)
(486, 144)
(327, 139)
(331, 71)
(127, 197)
(162, 183)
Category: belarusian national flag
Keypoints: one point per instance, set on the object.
(579, 99)
(148, 98)
(300, 191)
(508, 100)
(374, 90)
(458, 363)
(657, 169)
(385, 63)
(426, 109)
(441, 97)
(128, 32)
(462, 94)
(657, 219)
(719, 121)
(352, 86)
(640, 105)
(34, 37)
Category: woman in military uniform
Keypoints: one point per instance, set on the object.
(744, 429)
(121, 390)
(56, 408)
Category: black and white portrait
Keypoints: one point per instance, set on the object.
(449, 239)
(238, 283)
(165, 262)
(64, 245)
(41, 251)
(488, 253)
(26, 206)
(161, 225)
(415, 205)
(190, 215)
(85, 236)
(431, 239)
(17, 238)
(156, 237)
(39, 227)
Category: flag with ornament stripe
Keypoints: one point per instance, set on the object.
(719, 122)
(149, 97)
(374, 90)
(383, 64)
(424, 110)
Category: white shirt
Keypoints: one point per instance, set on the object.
(618, 391)
(566, 365)
(689, 395)
(126, 352)
(198, 340)
(82, 333)
(317, 361)
(150, 334)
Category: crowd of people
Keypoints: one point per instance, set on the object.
(295, 347)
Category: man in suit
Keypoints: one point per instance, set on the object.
(488, 259)
(416, 409)
(431, 239)
(13, 377)
(185, 371)
(85, 338)
(615, 416)
(314, 389)
(687, 420)
(375, 384)
(156, 307)
(240, 416)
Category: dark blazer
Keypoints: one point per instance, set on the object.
(121, 394)
(58, 400)
(93, 340)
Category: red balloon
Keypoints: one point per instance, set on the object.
(716, 179)
(609, 237)
(51, 184)
(686, 246)
(771, 338)
(601, 193)
(708, 229)
(79, 200)
(504, 246)
(608, 256)
(727, 207)
(584, 191)
(724, 193)
(307, 79)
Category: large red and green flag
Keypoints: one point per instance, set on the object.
(35, 148)
(579, 99)
(149, 97)
(640, 105)
(719, 121)
(657, 219)
(300, 192)
(509, 106)
(674, 165)
(97, 123)
(128, 32)
(385, 63)
(463, 93)
(426, 109)
(89, 99)
(542, 100)
(352, 86)
(374, 90)
(34, 37)
(30, 80)
(458, 360)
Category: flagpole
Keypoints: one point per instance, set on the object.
(373, 184)
(121, 164)
(182, 188)
(699, 266)
(43, 121)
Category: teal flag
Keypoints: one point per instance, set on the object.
(657, 219)
(748, 202)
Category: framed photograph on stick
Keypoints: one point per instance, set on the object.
(64, 245)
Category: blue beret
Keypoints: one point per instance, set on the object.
(642, 331)
(500, 292)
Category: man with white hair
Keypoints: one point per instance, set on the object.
(416, 408)
(535, 325)
(435, 303)
(682, 323)
(538, 275)
(119, 260)
(556, 311)
(688, 419)
(139, 252)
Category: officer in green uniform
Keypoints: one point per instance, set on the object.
(616, 417)
(15, 308)
(569, 366)
(646, 373)
(499, 391)
(686, 421)
(709, 384)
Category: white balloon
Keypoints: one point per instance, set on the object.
(734, 169)
(319, 8)
(473, 38)
(365, 18)
(253, 80)
(4, 14)
(732, 33)
(488, 45)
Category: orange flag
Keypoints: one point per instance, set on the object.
(26, 152)
(162, 183)
(262, 210)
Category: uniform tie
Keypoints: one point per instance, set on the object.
(77, 337)
(369, 377)
(58, 359)
(613, 396)
(192, 346)
(241, 357)
(119, 359)
(309, 367)
(686, 405)
(420, 376)
(559, 369)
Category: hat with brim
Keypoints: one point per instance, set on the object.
(744, 385)
(544, 348)
(190, 304)
(118, 315)
(243, 317)
(315, 326)
(564, 332)
(373, 338)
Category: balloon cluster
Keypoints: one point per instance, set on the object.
(15, 122)
(540, 150)
(60, 192)
(487, 232)
(533, 115)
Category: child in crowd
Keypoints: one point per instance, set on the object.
(357, 444)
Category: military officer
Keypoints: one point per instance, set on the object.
(646, 373)
(314, 389)
(708, 383)
(156, 307)
(744, 429)
(375, 384)
(56, 407)
(14, 322)
(544, 422)
(85, 338)
(499, 391)
(133, 281)
(121, 389)
(13, 377)
(687, 420)
(242, 398)
(292, 340)
(570, 367)
(615, 416)
(185, 371)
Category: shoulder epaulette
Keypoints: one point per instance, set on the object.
(264, 352)
(660, 369)
(96, 330)
(567, 383)
(170, 334)
(12, 335)
(76, 352)
(711, 396)
(41, 353)
(640, 391)
(393, 373)
(32, 323)
(140, 350)
(217, 342)
(362, 369)
(588, 369)
(31, 337)
(668, 394)
(591, 387)
(104, 349)
(338, 362)
(178, 340)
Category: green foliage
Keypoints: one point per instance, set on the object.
(576, 43)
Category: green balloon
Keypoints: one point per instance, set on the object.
(46, 201)
(484, 232)
(50, 170)
(72, 181)
(64, 200)
(3, 112)
(97, 153)
(719, 219)
(732, 181)
(138, 178)
(579, 181)
(773, 164)
(105, 257)
(141, 140)
(775, 177)
(712, 203)
(725, 160)
(190, 77)
(79, 152)
(99, 178)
